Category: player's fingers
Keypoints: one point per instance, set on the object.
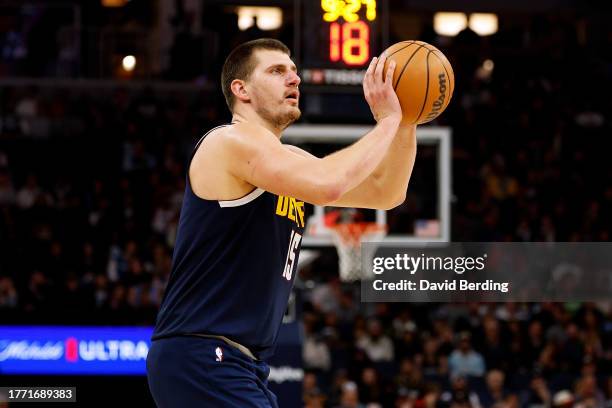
(370, 71)
(367, 81)
(368, 99)
(368, 87)
(389, 74)
(380, 65)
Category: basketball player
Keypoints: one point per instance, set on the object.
(241, 226)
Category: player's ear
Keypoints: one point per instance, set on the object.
(239, 90)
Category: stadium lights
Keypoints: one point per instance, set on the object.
(114, 3)
(449, 24)
(128, 63)
(483, 23)
(484, 71)
(268, 18)
(488, 65)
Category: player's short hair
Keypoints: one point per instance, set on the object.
(240, 63)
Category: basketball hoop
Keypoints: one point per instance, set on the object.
(347, 239)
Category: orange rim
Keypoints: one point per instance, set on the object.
(351, 233)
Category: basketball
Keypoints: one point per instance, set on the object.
(423, 80)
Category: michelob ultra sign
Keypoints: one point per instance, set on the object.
(71, 350)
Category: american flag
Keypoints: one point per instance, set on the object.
(427, 228)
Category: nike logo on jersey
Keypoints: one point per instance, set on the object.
(291, 208)
(219, 354)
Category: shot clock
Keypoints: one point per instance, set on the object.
(338, 40)
(349, 40)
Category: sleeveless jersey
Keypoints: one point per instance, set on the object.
(233, 268)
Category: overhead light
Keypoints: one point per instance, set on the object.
(483, 23)
(245, 17)
(114, 3)
(449, 24)
(129, 63)
(268, 18)
(485, 71)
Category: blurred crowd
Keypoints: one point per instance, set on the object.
(91, 184)
(454, 355)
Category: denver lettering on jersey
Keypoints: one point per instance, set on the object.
(291, 208)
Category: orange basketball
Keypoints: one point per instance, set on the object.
(423, 80)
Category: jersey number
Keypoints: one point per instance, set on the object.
(294, 243)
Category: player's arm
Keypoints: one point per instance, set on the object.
(258, 157)
(386, 187)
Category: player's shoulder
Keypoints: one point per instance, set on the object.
(213, 165)
(226, 136)
(238, 141)
(242, 130)
(240, 136)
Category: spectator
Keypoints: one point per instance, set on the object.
(314, 399)
(350, 396)
(459, 394)
(315, 352)
(464, 360)
(429, 360)
(495, 393)
(588, 395)
(535, 342)
(8, 294)
(538, 394)
(376, 344)
(494, 351)
(370, 389)
(29, 194)
(101, 291)
(409, 378)
(40, 292)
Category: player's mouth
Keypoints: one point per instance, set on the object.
(293, 96)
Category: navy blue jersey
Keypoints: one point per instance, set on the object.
(233, 268)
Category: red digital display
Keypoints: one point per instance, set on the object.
(339, 38)
(349, 43)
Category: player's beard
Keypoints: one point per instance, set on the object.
(280, 118)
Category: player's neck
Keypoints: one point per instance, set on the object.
(253, 118)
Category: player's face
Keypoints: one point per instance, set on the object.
(274, 88)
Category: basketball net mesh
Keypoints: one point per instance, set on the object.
(347, 239)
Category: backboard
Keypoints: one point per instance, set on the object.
(419, 223)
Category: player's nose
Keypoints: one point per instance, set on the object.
(293, 79)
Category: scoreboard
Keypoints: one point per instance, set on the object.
(338, 38)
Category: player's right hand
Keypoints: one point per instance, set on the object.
(379, 92)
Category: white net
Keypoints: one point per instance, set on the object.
(347, 239)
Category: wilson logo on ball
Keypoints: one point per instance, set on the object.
(438, 103)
